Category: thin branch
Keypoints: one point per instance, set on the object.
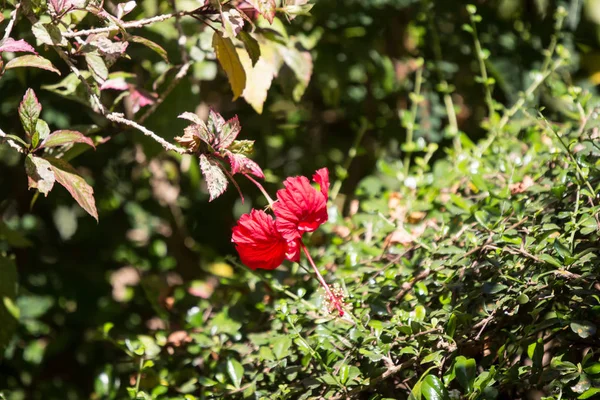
(119, 118)
(131, 24)
(185, 58)
(180, 75)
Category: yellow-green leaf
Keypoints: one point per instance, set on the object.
(230, 61)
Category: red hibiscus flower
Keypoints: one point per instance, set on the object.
(302, 208)
(259, 243)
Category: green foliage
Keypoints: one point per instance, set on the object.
(464, 216)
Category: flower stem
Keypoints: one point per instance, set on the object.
(332, 298)
(261, 188)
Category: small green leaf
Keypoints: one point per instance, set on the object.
(251, 46)
(465, 372)
(588, 394)
(152, 46)
(592, 369)
(42, 130)
(235, 371)
(29, 112)
(281, 346)
(584, 329)
(97, 67)
(433, 388)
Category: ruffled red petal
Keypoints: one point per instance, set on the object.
(258, 242)
(300, 207)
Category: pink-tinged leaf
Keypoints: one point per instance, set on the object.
(75, 184)
(115, 84)
(31, 61)
(39, 174)
(232, 22)
(107, 47)
(216, 180)
(229, 131)
(241, 164)
(59, 5)
(265, 7)
(152, 46)
(62, 137)
(125, 8)
(15, 46)
(192, 117)
(138, 99)
(29, 111)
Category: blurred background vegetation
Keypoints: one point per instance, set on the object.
(156, 263)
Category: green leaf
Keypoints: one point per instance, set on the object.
(152, 46)
(465, 372)
(8, 293)
(300, 62)
(230, 61)
(235, 371)
(29, 112)
(216, 180)
(251, 46)
(40, 174)
(97, 67)
(432, 388)
(584, 329)
(592, 369)
(281, 347)
(80, 190)
(42, 130)
(31, 61)
(49, 34)
(588, 394)
(63, 137)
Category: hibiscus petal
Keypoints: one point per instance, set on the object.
(321, 178)
(258, 242)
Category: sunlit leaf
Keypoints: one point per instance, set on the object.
(230, 61)
(80, 190)
(216, 180)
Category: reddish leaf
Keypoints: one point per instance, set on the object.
(265, 7)
(31, 61)
(29, 111)
(139, 99)
(216, 180)
(62, 137)
(232, 22)
(115, 84)
(40, 174)
(243, 165)
(224, 132)
(75, 184)
(13, 45)
(191, 117)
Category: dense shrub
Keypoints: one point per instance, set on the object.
(463, 214)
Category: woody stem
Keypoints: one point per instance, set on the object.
(332, 297)
(261, 188)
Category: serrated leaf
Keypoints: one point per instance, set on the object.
(31, 61)
(230, 61)
(251, 45)
(40, 174)
(216, 180)
(152, 46)
(16, 46)
(49, 34)
(245, 147)
(232, 22)
(259, 80)
(29, 111)
(240, 164)
(79, 189)
(192, 117)
(8, 294)
(235, 371)
(63, 137)
(228, 133)
(265, 7)
(97, 67)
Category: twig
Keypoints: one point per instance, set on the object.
(185, 58)
(407, 286)
(11, 23)
(180, 75)
(117, 117)
(131, 24)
